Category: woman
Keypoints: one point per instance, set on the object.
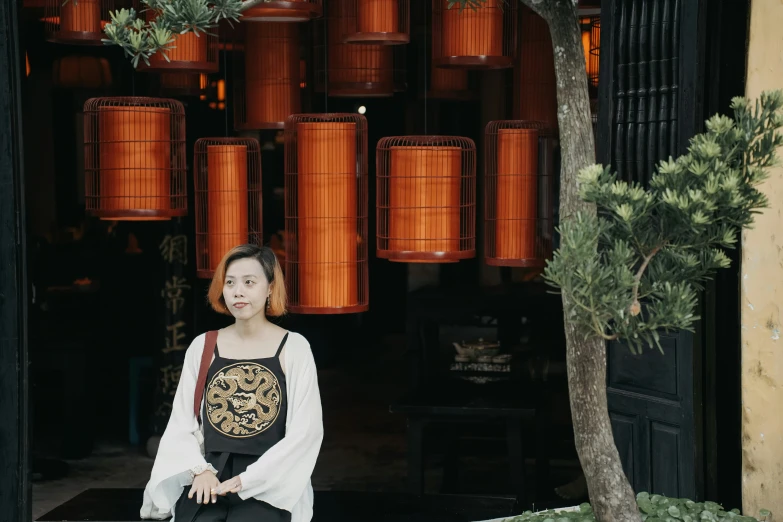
(245, 427)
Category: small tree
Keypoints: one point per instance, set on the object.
(655, 246)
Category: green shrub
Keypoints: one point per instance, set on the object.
(653, 508)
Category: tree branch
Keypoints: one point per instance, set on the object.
(635, 308)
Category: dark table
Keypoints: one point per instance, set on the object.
(458, 405)
(435, 397)
(122, 505)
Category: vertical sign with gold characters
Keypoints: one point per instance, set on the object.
(176, 298)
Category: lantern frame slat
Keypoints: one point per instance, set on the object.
(364, 25)
(216, 153)
(453, 37)
(353, 70)
(410, 227)
(126, 139)
(279, 11)
(518, 225)
(315, 147)
(84, 21)
(278, 75)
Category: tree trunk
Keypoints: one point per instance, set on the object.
(610, 493)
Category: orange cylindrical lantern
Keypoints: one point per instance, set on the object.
(267, 79)
(535, 85)
(482, 37)
(227, 179)
(594, 55)
(134, 164)
(189, 52)
(79, 22)
(182, 84)
(284, 11)
(518, 208)
(351, 69)
(326, 213)
(377, 22)
(426, 199)
(82, 72)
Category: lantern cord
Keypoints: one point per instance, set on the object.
(225, 84)
(427, 71)
(326, 62)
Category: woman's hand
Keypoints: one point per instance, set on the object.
(232, 485)
(204, 486)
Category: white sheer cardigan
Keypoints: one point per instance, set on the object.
(281, 477)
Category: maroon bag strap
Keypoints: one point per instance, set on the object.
(210, 341)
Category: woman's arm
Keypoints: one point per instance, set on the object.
(179, 455)
(280, 476)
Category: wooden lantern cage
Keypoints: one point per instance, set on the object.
(266, 75)
(326, 213)
(79, 23)
(518, 191)
(480, 38)
(134, 158)
(426, 199)
(288, 11)
(227, 181)
(353, 70)
(376, 22)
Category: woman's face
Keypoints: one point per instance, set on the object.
(245, 289)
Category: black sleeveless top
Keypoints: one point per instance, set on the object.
(244, 415)
(245, 405)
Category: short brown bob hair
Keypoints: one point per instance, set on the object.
(274, 276)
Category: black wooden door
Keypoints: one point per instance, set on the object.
(651, 405)
(650, 105)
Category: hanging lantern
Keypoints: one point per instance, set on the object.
(450, 84)
(483, 37)
(535, 89)
(426, 199)
(518, 194)
(80, 22)
(592, 48)
(227, 179)
(326, 213)
(182, 84)
(81, 72)
(376, 22)
(134, 158)
(267, 76)
(189, 52)
(277, 11)
(351, 70)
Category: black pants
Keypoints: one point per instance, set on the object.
(228, 508)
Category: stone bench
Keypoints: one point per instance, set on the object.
(122, 505)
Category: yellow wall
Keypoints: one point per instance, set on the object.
(762, 295)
